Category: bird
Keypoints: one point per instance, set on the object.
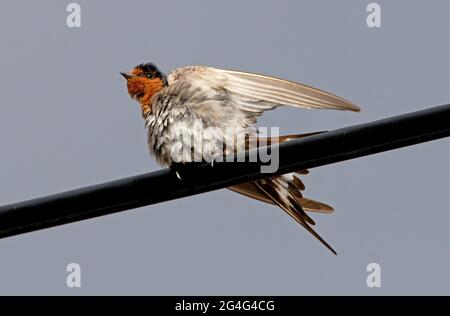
(179, 107)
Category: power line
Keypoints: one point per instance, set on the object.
(155, 187)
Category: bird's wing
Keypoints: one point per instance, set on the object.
(256, 93)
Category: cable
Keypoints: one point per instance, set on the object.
(164, 185)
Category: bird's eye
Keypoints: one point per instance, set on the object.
(149, 75)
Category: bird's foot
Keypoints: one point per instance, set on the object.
(176, 168)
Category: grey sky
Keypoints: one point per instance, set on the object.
(66, 121)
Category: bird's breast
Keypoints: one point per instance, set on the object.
(192, 126)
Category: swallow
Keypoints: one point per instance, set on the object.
(172, 104)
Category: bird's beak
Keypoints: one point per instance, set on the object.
(127, 75)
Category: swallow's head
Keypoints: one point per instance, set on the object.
(143, 82)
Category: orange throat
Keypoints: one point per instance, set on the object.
(145, 89)
(151, 88)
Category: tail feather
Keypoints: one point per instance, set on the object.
(286, 192)
(316, 206)
(251, 190)
(272, 189)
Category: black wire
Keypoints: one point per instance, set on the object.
(155, 187)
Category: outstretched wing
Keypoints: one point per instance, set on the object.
(254, 93)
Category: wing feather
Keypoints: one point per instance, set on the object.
(280, 91)
(254, 94)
